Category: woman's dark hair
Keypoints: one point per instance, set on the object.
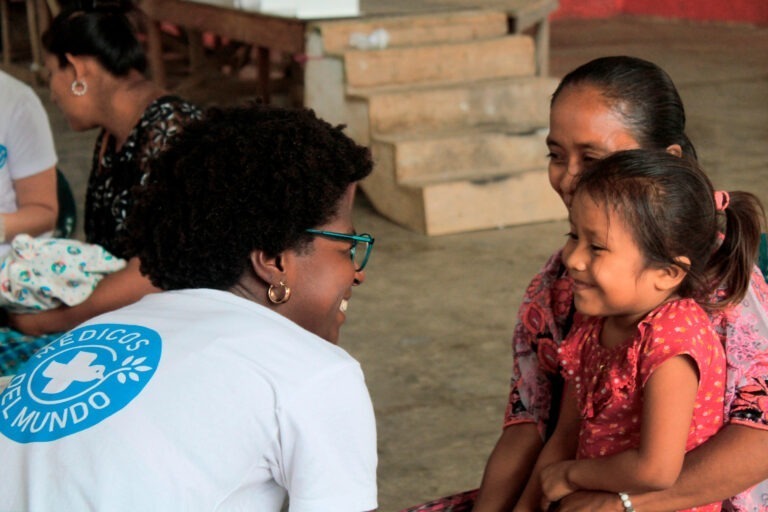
(642, 93)
(669, 204)
(243, 178)
(100, 29)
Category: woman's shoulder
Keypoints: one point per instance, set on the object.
(550, 292)
(170, 107)
(751, 313)
(163, 119)
(256, 331)
(743, 327)
(758, 287)
(14, 88)
(18, 99)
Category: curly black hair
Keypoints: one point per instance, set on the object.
(243, 178)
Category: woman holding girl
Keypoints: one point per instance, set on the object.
(651, 246)
(608, 105)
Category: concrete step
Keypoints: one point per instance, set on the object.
(456, 128)
(447, 63)
(413, 30)
(477, 153)
(446, 207)
(403, 110)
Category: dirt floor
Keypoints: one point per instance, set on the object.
(432, 323)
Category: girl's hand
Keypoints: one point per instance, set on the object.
(520, 508)
(555, 484)
(591, 501)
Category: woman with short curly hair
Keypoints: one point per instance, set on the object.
(226, 390)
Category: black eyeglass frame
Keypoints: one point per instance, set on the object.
(364, 237)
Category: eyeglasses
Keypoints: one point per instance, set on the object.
(361, 245)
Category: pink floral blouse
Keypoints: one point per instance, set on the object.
(545, 317)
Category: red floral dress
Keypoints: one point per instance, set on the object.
(609, 382)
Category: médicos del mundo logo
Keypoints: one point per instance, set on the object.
(77, 381)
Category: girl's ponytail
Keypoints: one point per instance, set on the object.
(741, 217)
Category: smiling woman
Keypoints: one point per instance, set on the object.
(230, 389)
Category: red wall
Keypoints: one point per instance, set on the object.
(742, 11)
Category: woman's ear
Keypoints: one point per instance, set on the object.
(78, 64)
(269, 269)
(675, 149)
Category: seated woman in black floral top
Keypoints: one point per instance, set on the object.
(97, 79)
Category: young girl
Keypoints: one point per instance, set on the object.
(650, 241)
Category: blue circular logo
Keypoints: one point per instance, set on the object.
(77, 381)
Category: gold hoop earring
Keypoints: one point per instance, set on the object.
(282, 298)
(79, 87)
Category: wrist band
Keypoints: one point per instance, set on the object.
(2, 229)
(626, 502)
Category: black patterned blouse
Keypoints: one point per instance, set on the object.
(114, 173)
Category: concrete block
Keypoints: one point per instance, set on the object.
(324, 89)
(402, 205)
(503, 57)
(324, 92)
(472, 154)
(518, 101)
(445, 207)
(521, 198)
(415, 30)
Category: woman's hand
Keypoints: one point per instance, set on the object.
(554, 482)
(32, 324)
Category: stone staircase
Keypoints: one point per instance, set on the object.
(453, 112)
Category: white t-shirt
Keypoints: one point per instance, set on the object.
(188, 400)
(26, 141)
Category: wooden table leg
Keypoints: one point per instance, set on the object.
(155, 53)
(196, 51)
(4, 27)
(265, 66)
(34, 35)
(44, 17)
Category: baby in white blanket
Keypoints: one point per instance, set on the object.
(43, 273)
